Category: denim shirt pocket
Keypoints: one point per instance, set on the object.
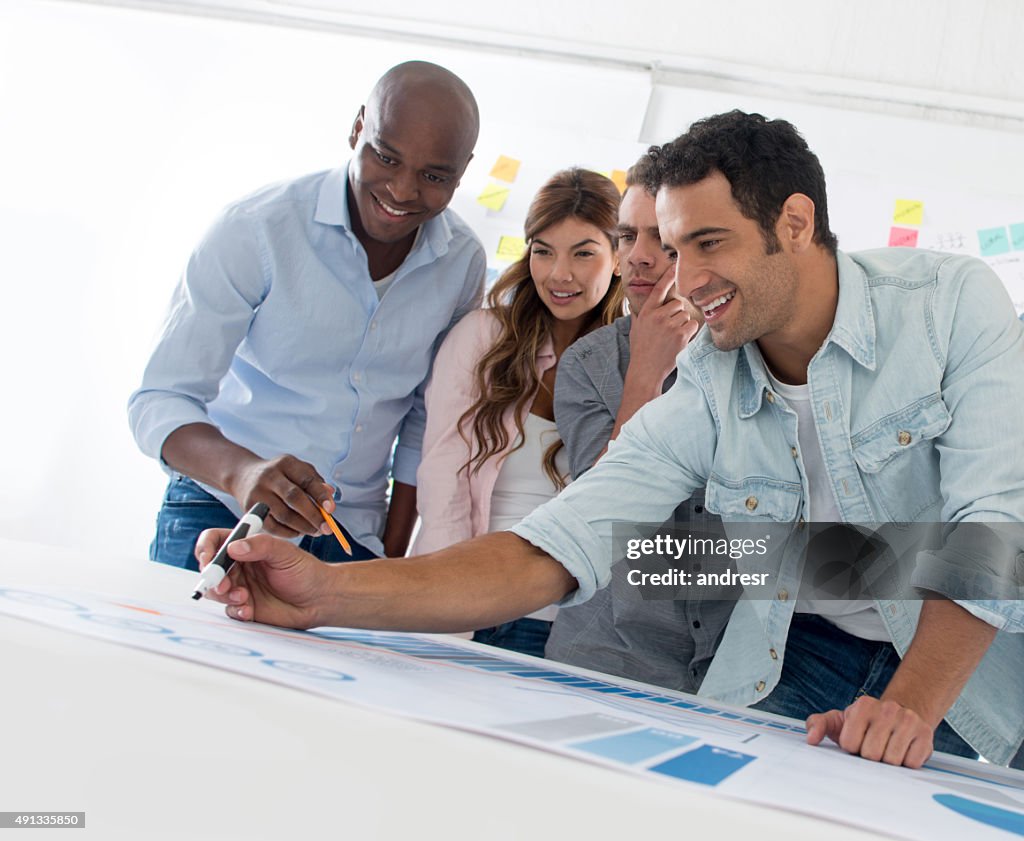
(753, 499)
(898, 460)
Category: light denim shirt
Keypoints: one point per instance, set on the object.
(276, 336)
(918, 395)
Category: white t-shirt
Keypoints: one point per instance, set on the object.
(522, 484)
(859, 617)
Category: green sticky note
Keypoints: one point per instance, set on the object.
(1017, 236)
(993, 241)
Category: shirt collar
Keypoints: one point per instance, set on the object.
(853, 329)
(332, 209)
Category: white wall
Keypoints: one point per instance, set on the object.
(123, 132)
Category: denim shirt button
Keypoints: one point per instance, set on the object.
(783, 595)
(774, 654)
(769, 396)
(751, 503)
(760, 686)
(904, 437)
(792, 450)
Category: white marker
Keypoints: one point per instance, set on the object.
(213, 574)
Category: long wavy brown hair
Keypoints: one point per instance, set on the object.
(506, 375)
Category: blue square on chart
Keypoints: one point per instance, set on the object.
(706, 765)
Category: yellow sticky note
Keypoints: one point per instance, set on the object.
(493, 196)
(908, 212)
(506, 169)
(618, 177)
(511, 248)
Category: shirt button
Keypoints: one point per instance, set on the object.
(751, 503)
(355, 378)
(904, 438)
(783, 595)
(760, 686)
(359, 427)
(769, 396)
(373, 325)
(774, 653)
(696, 623)
(792, 451)
(801, 524)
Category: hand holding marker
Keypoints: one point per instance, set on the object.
(213, 574)
(250, 524)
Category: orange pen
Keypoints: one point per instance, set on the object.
(334, 527)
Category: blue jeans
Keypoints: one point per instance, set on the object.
(188, 509)
(527, 636)
(828, 669)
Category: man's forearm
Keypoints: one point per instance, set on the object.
(476, 584)
(637, 392)
(946, 649)
(201, 451)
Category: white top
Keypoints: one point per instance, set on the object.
(381, 286)
(522, 484)
(859, 617)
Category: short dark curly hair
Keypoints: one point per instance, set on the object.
(765, 162)
(642, 173)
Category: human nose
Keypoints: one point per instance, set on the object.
(643, 252)
(561, 270)
(403, 186)
(689, 278)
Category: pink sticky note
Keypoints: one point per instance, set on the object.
(907, 237)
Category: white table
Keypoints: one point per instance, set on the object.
(117, 733)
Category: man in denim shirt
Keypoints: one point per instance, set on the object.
(905, 366)
(603, 380)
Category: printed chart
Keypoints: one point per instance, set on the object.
(659, 734)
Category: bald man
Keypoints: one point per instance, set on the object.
(299, 338)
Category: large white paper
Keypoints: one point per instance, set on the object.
(643, 730)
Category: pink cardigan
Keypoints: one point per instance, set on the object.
(452, 505)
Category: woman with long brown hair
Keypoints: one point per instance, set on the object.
(491, 451)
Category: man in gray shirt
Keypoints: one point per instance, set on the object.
(603, 379)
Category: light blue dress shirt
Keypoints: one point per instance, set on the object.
(276, 336)
(918, 395)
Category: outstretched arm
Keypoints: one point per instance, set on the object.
(475, 584)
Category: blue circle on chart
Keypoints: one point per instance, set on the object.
(215, 647)
(306, 670)
(40, 600)
(983, 813)
(123, 624)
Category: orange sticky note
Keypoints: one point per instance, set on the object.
(505, 169)
(510, 248)
(493, 196)
(618, 177)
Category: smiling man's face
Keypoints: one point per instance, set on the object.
(411, 147)
(722, 268)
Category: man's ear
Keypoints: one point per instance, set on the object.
(795, 227)
(357, 127)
